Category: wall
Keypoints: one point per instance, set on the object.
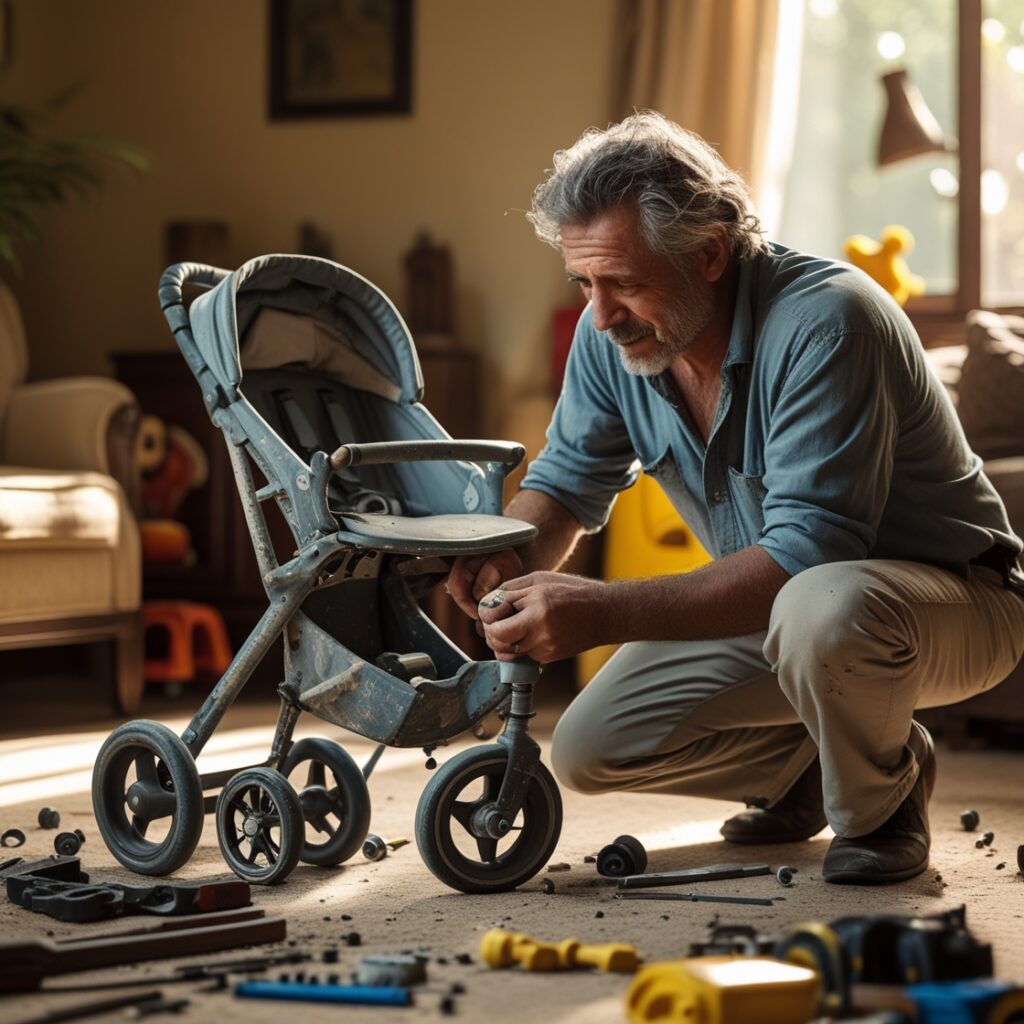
(497, 88)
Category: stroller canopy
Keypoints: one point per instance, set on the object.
(277, 310)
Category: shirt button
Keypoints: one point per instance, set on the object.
(716, 497)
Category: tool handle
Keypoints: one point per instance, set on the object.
(363, 995)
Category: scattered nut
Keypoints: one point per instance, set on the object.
(548, 886)
(784, 876)
(988, 837)
(969, 820)
(12, 837)
(48, 818)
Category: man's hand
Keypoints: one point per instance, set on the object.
(474, 576)
(545, 615)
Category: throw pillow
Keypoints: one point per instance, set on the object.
(991, 388)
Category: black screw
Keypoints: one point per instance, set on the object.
(48, 818)
(969, 819)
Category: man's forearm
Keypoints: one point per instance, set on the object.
(558, 530)
(730, 597)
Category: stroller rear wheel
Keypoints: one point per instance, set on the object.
(147, 798)
(259, 825)
(445, 812)
(339, 809)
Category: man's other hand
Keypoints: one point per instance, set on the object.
(544, 615)
(472, 577)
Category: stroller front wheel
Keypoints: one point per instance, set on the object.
(259, 825)
(147, 798)
(336, 808)
(445, 812)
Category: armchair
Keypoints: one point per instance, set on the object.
(70, 560)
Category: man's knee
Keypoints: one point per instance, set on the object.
(832, 619)
(579, 756)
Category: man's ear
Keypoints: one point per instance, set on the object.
(713, 259)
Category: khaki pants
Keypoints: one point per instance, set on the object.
(853, 648)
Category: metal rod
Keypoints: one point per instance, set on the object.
(372, 760)
(712, 873)
(693, 897)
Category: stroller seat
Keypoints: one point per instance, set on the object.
(436, 535)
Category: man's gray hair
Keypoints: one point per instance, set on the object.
(684, 192)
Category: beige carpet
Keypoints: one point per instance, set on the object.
(396, 904)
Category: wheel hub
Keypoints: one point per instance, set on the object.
(251, 826)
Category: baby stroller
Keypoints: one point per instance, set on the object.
(378, 499)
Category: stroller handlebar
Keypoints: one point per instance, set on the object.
(176, 276)
(376, 453)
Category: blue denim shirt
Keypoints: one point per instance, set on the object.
(832, 440)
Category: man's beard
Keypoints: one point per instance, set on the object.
(683, 324)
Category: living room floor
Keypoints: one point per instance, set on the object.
(52, 729)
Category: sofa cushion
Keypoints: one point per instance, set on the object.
(69, 545)
(991, 386)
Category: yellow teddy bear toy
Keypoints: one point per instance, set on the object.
(884, 262)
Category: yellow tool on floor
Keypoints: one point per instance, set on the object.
(500, 948)
(723, 990)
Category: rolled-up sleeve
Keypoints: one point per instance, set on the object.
(589, 456)
(829, 453)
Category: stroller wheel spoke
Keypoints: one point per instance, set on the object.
(316, 776)
(462, 812)
(139, 826)
(488, 849)
(145, 768)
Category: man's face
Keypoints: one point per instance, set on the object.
(648, 307)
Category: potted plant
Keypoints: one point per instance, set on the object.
(41, 167)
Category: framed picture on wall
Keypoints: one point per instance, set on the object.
(340, 58)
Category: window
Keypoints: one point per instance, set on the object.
(964, 199)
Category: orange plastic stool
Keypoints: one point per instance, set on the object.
(197, 641)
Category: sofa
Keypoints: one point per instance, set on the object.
(70, 559)
(985, 379)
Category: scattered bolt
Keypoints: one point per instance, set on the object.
(590, 859)
(463, 958)
(430, 764)
(559, 867)
(784, 876)
(284, 976)
(938, 877)
(457, 989)
(346, 917)
(988, 837)
(600, 913)
(376, 848)
(329, 956)
(447, 1006)
(979, 844)
(48, 818)
(67, 844)
(969, 819)
(548, 886)
(1001, 865)
(353, 939)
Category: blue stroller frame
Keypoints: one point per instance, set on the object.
(378, 499)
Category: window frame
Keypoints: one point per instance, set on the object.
(940, 319)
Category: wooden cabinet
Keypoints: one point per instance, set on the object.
(223, 572)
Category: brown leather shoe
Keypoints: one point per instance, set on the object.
(897, 849)
(799, 815)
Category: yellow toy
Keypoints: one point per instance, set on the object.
(499, 948)
(723, 990)
(884, 262)
(644, 537)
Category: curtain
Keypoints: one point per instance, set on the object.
(726, 69)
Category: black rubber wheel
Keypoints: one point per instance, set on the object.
(147, 798)
(454, 854)
(338, 812)
(260, 826)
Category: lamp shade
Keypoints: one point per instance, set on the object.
(910, 127)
